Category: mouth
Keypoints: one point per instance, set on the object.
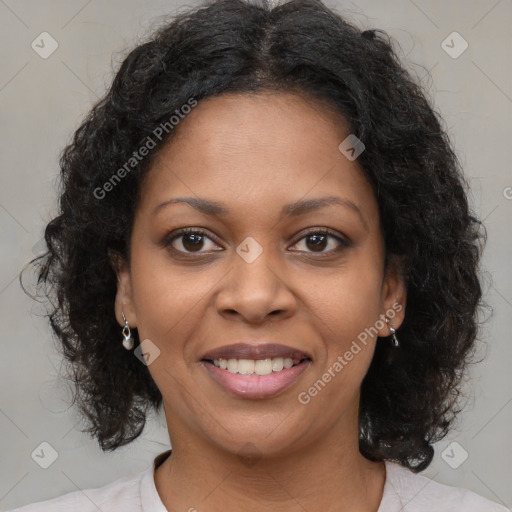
(256, 371)
(256, 360)
(255, 367)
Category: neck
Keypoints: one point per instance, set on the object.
(330, 474)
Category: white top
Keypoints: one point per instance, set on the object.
(404, 491)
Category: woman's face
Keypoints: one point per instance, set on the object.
(261, 272)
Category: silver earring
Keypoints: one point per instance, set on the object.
(128, 340)
(394, 339)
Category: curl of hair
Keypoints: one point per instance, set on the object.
(409, 396)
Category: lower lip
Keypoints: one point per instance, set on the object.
(257, 386)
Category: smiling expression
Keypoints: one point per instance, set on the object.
(283, 246)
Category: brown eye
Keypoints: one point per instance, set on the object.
(192, 241)
(316, 242)
(320, 240)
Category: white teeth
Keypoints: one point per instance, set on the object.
(263, 367)
(277, 364)
(255, 367)
(287, 362)
(232, 365)
(245, 366)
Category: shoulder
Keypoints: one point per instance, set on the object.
(121, 495)
(417, 493)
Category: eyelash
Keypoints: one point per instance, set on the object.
(344, 242)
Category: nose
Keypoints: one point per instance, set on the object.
(256, 291)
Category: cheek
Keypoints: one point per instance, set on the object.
(347, 315)
(350, 301)
(168, 303)
(348, 308)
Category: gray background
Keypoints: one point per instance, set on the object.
(42, 102)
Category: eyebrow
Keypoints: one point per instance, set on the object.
(214, 208)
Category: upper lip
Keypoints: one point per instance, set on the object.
(259, 351)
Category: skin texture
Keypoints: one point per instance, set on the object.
(255, 153)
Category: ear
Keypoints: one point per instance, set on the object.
(124, 298)
(394, 294)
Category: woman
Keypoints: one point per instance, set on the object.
(266, 207)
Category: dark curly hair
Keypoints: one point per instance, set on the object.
(410, 395)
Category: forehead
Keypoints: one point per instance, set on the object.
(259, 124)
(257, 149)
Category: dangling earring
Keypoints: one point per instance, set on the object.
(128, 340)
(394, 339)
